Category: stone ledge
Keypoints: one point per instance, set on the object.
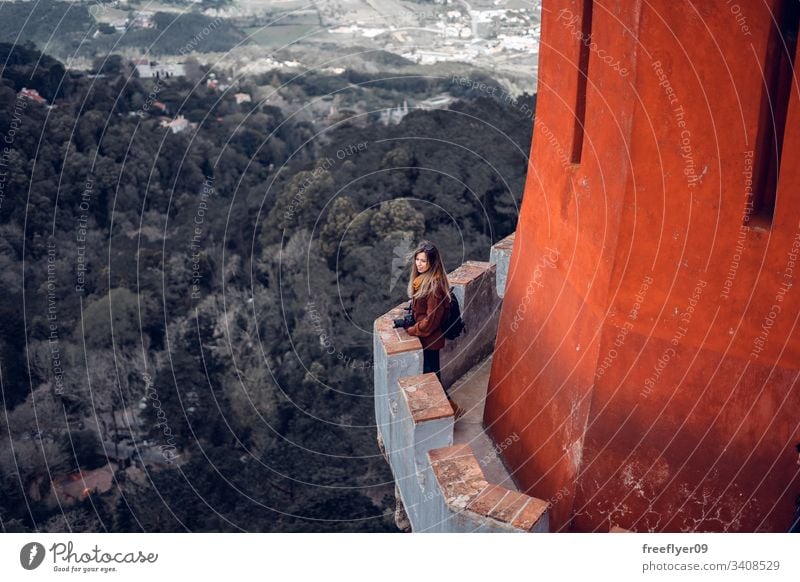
(518, 510)
(506, 244)
(464, 488)
(395, 340)
(414, 416)
(500, 255)
(475, 286)
(468, 272)
(425, 397)
(457, 474)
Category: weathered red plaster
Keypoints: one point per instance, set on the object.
(709, 445)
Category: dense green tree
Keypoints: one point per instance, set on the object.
(83, 449)
(118, 315)
(339, 219)
(240, 264)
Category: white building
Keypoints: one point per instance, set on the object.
(162, 70)
(179, 124)
(393, 116)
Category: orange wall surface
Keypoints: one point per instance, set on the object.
(647, 355)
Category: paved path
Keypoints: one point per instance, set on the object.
(469, 392)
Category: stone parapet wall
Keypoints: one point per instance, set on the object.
(441, 486)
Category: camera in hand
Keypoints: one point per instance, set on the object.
(406, 321)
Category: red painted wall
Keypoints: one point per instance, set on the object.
(636, 357)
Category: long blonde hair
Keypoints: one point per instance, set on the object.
(434, 277)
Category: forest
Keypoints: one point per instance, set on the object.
(66, 29)
(187, 315)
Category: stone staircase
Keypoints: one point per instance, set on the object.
(449, 476)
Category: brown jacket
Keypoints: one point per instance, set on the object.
(429, 314)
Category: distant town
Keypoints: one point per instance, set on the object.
(495, 35)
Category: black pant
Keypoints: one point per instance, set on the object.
(430, 363)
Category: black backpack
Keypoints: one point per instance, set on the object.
(453, 324)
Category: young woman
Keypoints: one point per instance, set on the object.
(429, 291)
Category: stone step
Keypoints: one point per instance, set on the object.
(477, 505)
